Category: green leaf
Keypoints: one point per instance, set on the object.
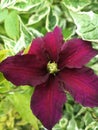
(3, 14)
(1, 79)
(92, 126)
(88, 118)
(30, 5)
(2, 30)
(5, 107)
(82, 110)
(72, 125)
(5, 86)
(12, 25)
(8, 44)
(69, 108)
(87, 25)
(63, 122)
(40, 14)
(21, 101)
(76, 5)
(67, 33)
(51, 20)
(7, 3)
(3, 54)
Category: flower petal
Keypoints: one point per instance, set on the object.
(24, 70)
(53, 41)
(47, 102)
(76, 53)
(37, 48)
(82, 84)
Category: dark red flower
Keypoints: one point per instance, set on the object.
(53, 66)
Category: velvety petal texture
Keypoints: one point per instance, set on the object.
(82, 84)
(24, 70)
(47, 102)
(37, 48)
(76, 53)
(53, 66)
(53, 41)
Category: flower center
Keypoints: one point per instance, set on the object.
(52, 67)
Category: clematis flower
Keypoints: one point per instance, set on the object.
(53, 67)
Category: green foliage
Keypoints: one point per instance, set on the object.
(3, 14)
(76, 5)
(21, 101)
(11, 24)
(87, 25)
(20, 22)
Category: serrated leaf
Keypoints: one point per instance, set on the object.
(87, 25)
(11, 24)
(23, 106)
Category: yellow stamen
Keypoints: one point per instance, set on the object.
(52, 67)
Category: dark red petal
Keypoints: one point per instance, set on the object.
(82, 84)
(24, 70)
(53, 41)
(47, 102)
(76, 53)
(37, 48)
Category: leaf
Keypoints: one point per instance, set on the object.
(67, 33)
(60, 17)
(76, 5)
(8, 44)
(3, 14)
(92, 126)
(88, 118)
(63, 122)
(5, 107)
(7, 3)
(72, 125)
(69, 108)
(25, 5)
(87, 25)
(12, 25)
(21, 101)
(3, 54)
(51, 20)
(28, 36)
(40, 14)
(1, 79)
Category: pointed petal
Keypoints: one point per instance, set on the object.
(53, 41)
(24, 70)
(82, 84)
(37, 48)
(47, 102)
(76, 53)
